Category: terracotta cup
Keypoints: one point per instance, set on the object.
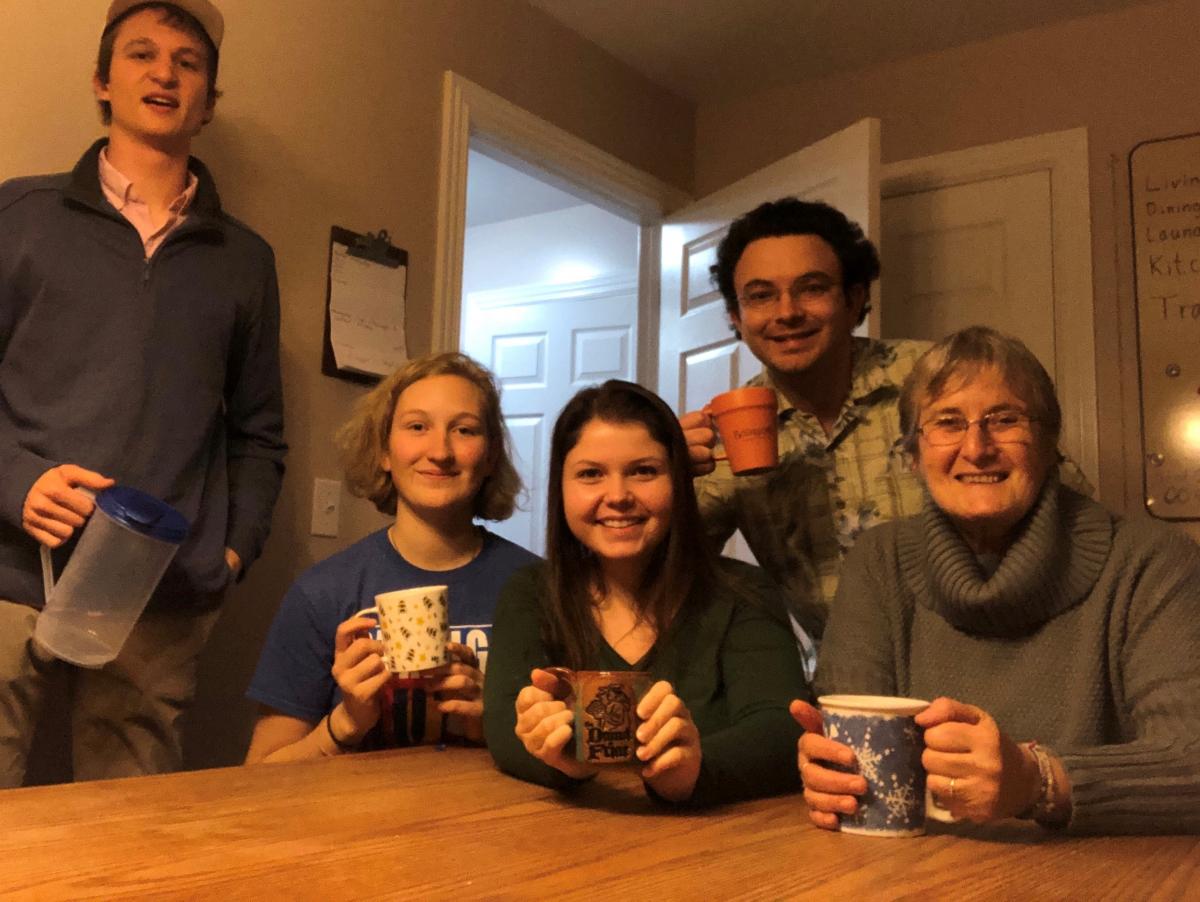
(414, 628)
(605, 704)
(747, 419)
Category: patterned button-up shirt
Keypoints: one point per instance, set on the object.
(801, 518)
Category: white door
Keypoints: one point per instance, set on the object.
(983, 251)
(698, 354)
(544, 343)
(967, 254)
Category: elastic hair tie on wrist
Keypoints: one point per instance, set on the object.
(342, 745)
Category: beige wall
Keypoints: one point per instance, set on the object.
(1126, 76)
(331, 114)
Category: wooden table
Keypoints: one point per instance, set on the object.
(429, 824)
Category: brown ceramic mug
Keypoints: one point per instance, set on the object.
(605, 705)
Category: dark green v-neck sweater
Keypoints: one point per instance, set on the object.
(732, 661)
(1086, 637)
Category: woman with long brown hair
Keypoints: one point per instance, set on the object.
(630, 583)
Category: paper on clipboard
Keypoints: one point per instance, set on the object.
(366, 313)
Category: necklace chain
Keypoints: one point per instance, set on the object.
(639, 620)
(625, 635)
(470, 556)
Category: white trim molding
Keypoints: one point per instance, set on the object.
(1064, 156)
(551, 292)
(475, 117)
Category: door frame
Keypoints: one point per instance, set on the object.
(1064, 157)
(472, 116)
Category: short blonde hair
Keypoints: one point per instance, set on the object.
(965, 353)
(363, 440)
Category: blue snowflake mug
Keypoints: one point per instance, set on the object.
(887, 743)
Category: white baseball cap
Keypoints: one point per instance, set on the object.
(203, 11)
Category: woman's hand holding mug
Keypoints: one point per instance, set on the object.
(544, 725)
(360, 673)
(827, 792)
(974, 769)
(459, 688)
(669, 743)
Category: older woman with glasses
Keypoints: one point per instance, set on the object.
(1060, 642)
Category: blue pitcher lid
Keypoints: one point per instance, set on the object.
(143, 513)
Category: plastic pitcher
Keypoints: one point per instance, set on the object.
(121, 556)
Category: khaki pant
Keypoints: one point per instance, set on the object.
(124, 716)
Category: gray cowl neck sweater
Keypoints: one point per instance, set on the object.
(1051, 566)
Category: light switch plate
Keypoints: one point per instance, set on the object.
(326, 506)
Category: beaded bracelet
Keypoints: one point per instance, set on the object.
(342, 745)
(1045, 807)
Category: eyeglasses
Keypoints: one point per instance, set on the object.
(1001, 426)
(764, 294)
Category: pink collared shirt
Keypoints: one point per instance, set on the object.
(122, 194)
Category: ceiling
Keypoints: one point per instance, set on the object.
(496, 193)
(707, 50)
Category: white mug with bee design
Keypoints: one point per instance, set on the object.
(414, 627)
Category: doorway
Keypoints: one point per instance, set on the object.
(585, 192)
(549, 304)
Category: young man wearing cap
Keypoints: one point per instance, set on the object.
(139, 344)
(796, 278)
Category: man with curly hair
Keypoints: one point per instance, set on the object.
(796, 278)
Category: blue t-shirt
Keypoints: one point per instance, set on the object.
(294, 671)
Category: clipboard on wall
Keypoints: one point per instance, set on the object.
(365, 290)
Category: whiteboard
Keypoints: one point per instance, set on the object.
(1164, 178)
